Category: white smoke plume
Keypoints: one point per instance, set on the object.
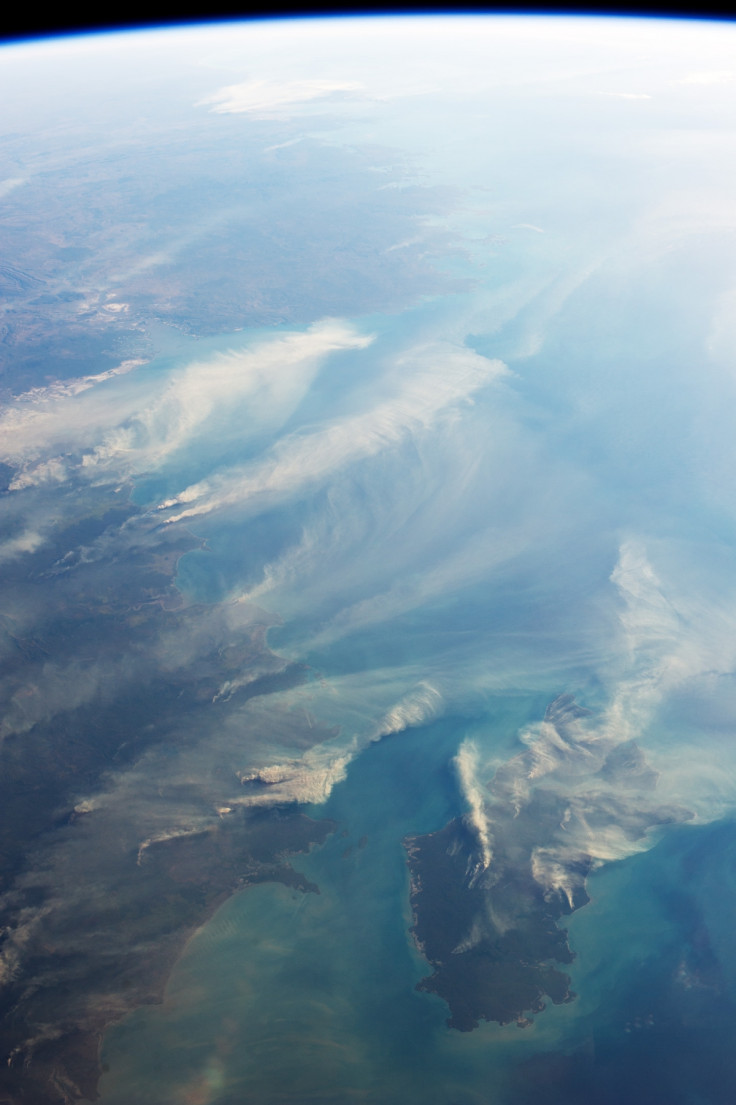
(466, 765)
(419, 706)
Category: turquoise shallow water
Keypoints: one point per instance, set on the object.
(286, 996)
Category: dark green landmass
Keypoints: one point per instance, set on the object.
(492, 948)
(123, 820)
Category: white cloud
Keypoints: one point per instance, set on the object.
(26, 542)
(627, 95)
(263, 97)
(710, 76)
(10, 184)
(49, 471)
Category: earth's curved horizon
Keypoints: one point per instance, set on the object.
(368, 563)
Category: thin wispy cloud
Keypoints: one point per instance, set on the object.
(110, 428)
(432, 379)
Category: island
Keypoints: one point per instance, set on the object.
(489, 889)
